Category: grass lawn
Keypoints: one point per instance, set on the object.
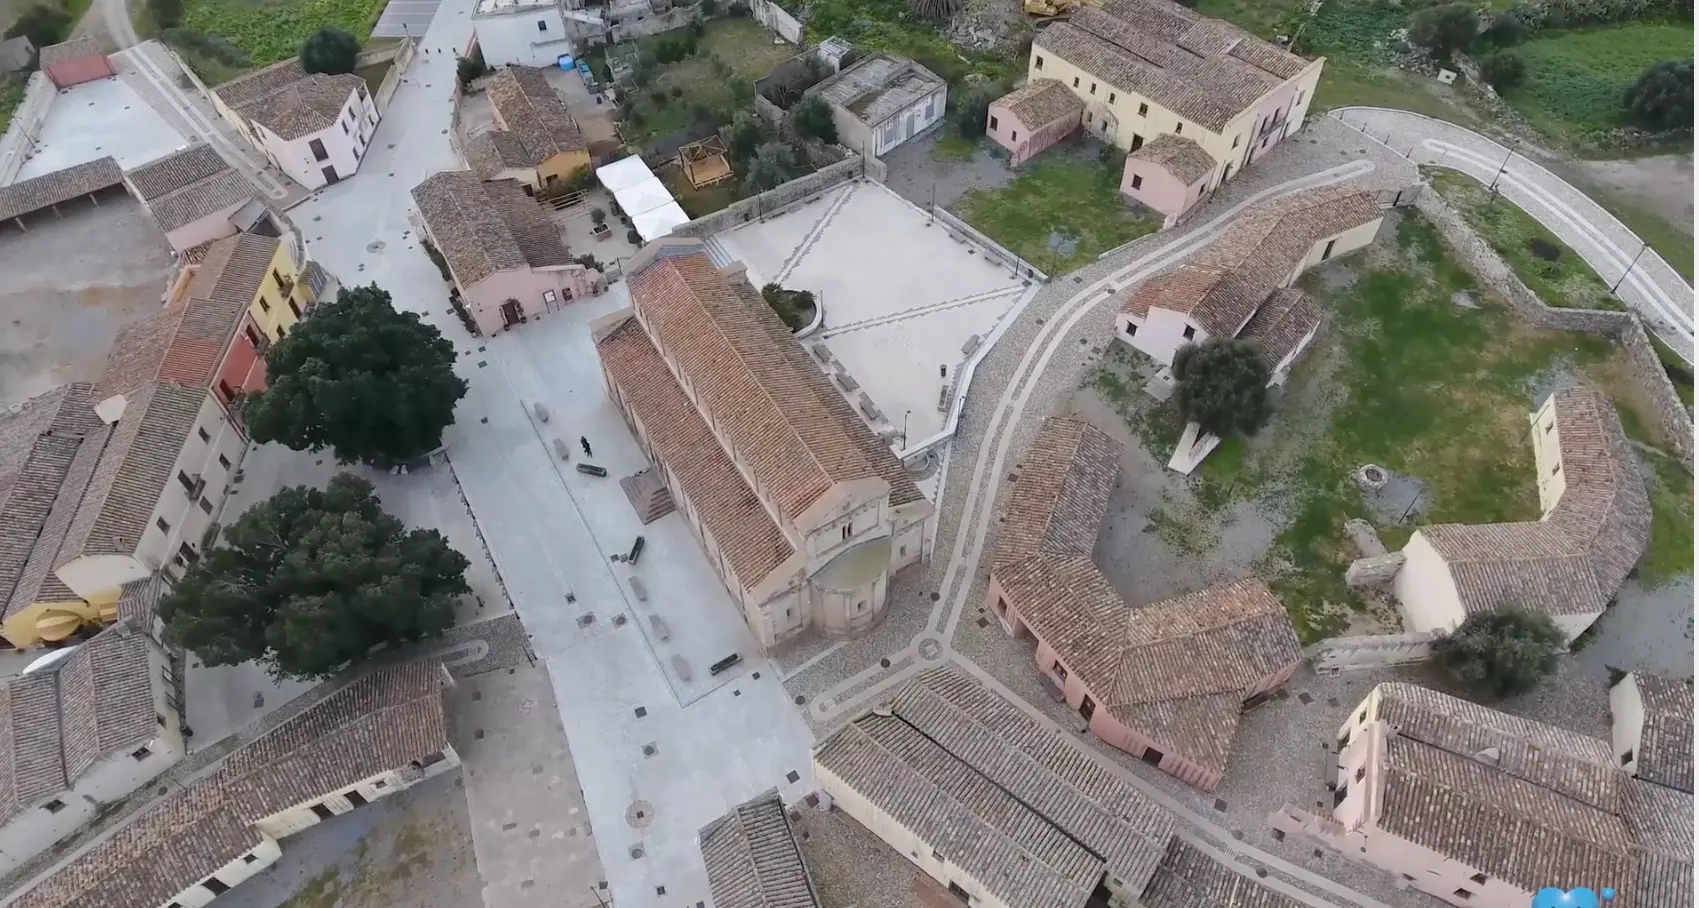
(952, 146)
(269, 32)
(1576, 79)
(1442, 394)
(698, 202)
(11, 95)
(1057, 214)
(887, 25)
(681, 92)
(1568, 282)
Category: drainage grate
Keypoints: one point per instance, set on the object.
(586, 620)
(650, 749)
(792, 777)
(619, 621)
(636, 851)
(1305, 698)
(641, 711)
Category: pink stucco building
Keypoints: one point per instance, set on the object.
(1164, 682)
(1477, 807)
(1032, 118)
(504, 253)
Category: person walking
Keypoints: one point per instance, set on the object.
(585, 444)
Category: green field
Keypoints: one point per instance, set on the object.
(1058, 214)
(1576, 79)
(11, 95)
(695, 89)
(269, 32)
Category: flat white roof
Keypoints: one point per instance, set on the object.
(496, 7)
(644, 198)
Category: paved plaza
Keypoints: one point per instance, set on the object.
(904, 300)
(96, 119)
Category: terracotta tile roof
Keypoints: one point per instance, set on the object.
(1223, 285)
(379, 723)
(1184, 159)
(753, 858)
(1205, 70)
(536, 123)
(1189, 878)
(234, 268)
(1033, 818)
(1040, 103)
(133, 471)
(106, 697)
(1282, 323)
(137, 601)
(1176, 671)
(165, 175)
(795, 433)
(749, 540)
(1660, 821)
(32, 766)
(484, 228)
(60, 186)
(1572, 561)
(42, 442)
(285, 99)
(1665, 751)
(74, 49)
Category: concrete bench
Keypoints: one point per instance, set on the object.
(639, 590)
(660, 627)
(562, 451)
(681, 667)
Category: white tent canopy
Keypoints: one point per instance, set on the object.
(642, 197)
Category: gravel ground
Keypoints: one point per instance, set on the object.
(915, 175)
(850, 866)
(413, 849)
(1649, 630)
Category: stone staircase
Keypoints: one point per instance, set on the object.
(649, 496)
(718, 253)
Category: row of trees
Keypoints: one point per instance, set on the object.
(312, 581)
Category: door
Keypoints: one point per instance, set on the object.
(1087, 708)
(330, 176)
(322, 812)
(1152, 756)
(511, 314)
(357, 799)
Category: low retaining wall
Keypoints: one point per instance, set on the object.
(402, 55)
(779, 200)
(1375, 651)
(18, 143)
(1625, 328)
(1021, 267)
(770, 15)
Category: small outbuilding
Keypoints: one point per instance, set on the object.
(75, 61)
(16, 54)
(882, 101)
(1033, 118)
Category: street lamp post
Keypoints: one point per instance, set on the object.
(1507, 156)
(1630, 268)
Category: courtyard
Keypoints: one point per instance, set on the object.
(97, 119)
(71, 285)
(906, 303)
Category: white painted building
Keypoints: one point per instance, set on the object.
(521, 32)
(79, 730)
(315, 128)
(882, 101)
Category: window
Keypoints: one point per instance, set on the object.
(163, 526)
(1112, 97)
(207, 436)
(379, 784)
(1076, 81)
(1138, 141)
(1327, 251)
(1179, 128)
(250, 858)
(162, 722)
(1479, 879)
(1362, 717)
(1061, 672)
(1551, 425)
(960, 893)
(1094, 88)
(185, 481)
(549, 297)
(1189, 333)
(254, 336)
(1628, 757)
(54, 806)
(317, 148)
(542, 25)
(345, 127)
(1037, 62)
(1138, 181)
(1361, 772)
(1013, 135)
(1462, 893)
(1088, 116)
(1339, 796)
(848, 530)
(140, 753)
(937, 856)
(322, 812)
(991, 122)
(1556, 467)
(216, 886)
(264, 306)
(224, 461)
(294, 308)
(1298, 100)
(206, 505)
(187, 553)
(225, 391)
(1132, 329)
(1087, 708)
(1143, 108)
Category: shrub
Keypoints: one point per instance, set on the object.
(1501, 653)
(742, 136)
(934, 10)
(633, 237)
(972, 104)
(696, 29)
(598, 216)
(771, 166)
(469, 69)
(166, 13)
(1444, 30)
(211, 47)
(794, 307)
(658, 97)
(813, 118)
(677, 91)
(1662, 98)
(1505, 31)
(331, 51)
(1223, 386)
(707, 7)
(1504, 70)
(42, 25)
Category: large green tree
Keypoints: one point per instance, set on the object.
(1445, 30)
(1223, 386)
(813, 118)
(330, 50)
(1662, 98)
(772, 166)
(374, 384)
(1501, 653)
(310, 580)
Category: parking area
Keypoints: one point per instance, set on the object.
(96, 119)
(70, 285)
(906, 303)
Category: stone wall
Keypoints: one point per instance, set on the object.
(778, 201)
(402, 56)
(1625, 328)
(1374, 570)
(18, 143)
(1374, 651)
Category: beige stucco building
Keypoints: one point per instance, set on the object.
(1478, 807)
(882, 101)
(80, 730)
(802, 509)
(1151, 68)
(1652, 729)
(194, 196)
(1596, 521)
(506, 257)
(383, 733)
(1240, 285)
(314, 127)
(754, 859)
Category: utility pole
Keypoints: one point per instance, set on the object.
(1507, 156)
(1631, 265)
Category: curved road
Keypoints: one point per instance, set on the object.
(1647, 283)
